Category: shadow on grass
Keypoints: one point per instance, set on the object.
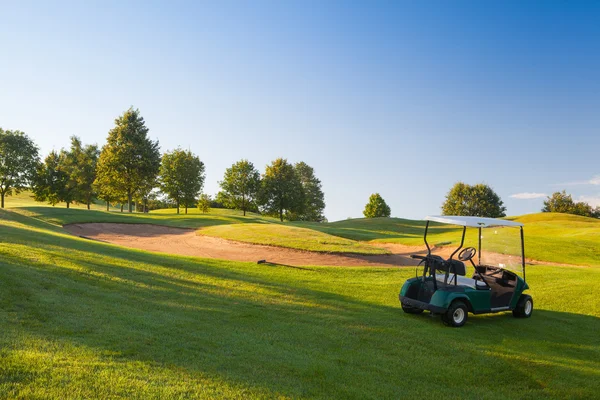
(293, 332)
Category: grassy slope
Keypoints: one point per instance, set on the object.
(87, 319)
(558, 238)
(290, 236)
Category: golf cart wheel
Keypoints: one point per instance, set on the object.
(411, 310)
(456, 315)
(524, 307)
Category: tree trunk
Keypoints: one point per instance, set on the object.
(121, 207)
(129, 205)
(107, 205)
(145, 206)
(280, 209)
(186, 209)
(68, 203)
(244, 204)
(177, 207)
(2, 194)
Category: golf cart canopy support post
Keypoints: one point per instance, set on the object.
(523, 254)
(425, 238)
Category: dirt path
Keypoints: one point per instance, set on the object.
(186, 242)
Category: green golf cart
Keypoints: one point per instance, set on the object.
(443, 287)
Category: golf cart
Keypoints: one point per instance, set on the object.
(444, 288)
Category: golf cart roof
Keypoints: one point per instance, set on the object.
(477, 222)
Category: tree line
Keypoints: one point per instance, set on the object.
(129, 170)
(561, 202)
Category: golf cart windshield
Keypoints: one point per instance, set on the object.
(498, 242)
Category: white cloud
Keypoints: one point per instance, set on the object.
(593, 201)
(528, 195)
(594, 181)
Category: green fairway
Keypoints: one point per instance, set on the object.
(86, 319)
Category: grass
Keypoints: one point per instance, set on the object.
(555, 238)
(290, 236)
(84, 319)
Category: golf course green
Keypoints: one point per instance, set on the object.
(86, 319)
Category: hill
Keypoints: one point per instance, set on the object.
(85, 319)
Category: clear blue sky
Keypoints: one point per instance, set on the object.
(400, 98)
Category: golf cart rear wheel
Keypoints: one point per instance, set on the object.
(524, 307)
(411, 310)
(456, 315)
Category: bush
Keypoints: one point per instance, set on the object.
(376, 207)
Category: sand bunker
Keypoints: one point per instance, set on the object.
(186, 242)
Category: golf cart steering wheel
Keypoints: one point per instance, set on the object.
(467, 253)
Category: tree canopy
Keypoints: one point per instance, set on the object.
(478, 200)
(51, 181)
(80, 164)
(18, 162)
(129, 161)
(240, 184)
(182, 177)
(281, 189)
(314, 198)
(376, 207)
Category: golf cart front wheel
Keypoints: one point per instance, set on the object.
(456, 315)
(524, 307)
(411, 310)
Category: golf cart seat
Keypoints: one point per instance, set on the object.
(453, 267)
(437, 263)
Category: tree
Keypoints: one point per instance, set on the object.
(376, 207)
(129, 160)
(281, 189)
(106, 184)
(240, 185)
(478, 200)
(314, 198)
(80, 164)
(51, 181)
(204, 203)
(18, 161)
(182, 177)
